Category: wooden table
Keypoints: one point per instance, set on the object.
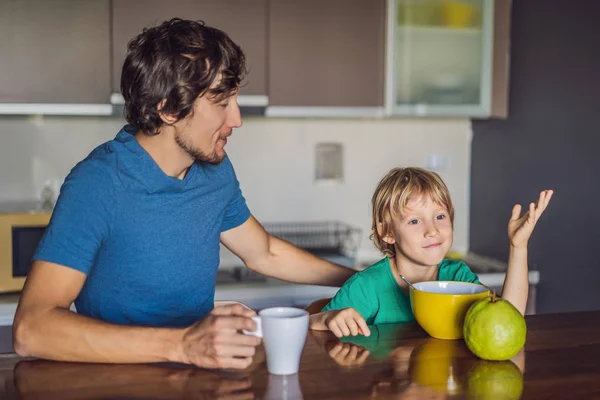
(561, 361)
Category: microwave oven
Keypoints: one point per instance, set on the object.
(21, 228)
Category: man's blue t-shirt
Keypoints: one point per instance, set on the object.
(148, 242)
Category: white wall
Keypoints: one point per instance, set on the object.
(274, 161)
(35, 149)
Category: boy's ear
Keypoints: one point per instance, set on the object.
(389, 239)
(168, 119)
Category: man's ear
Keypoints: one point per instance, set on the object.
(168, 119)
(388, 238)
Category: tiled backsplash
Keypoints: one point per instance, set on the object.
(274, 160)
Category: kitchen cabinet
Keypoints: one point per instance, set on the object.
(310, 58)
(56, 56)
(326, 57)
(447, 57)
(244, 21)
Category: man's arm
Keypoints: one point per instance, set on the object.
(45, 327)
(279, 259)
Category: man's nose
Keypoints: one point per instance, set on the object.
(234, 117)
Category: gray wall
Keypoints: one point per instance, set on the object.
(551, 140)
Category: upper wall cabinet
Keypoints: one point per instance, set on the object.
(326, 57)
(447, 57)
(55, 56)
(245, 21)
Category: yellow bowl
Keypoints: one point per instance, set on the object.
(440, 306)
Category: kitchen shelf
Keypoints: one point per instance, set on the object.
(437, 31)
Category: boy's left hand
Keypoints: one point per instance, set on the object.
(520, 228)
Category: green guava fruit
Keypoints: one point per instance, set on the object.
(498, 380)
(494, 329)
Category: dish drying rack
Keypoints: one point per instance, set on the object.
(323, 239)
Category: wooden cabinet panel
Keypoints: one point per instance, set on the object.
(326, 53)
(245, 21)
(55, 51)
(501, 59)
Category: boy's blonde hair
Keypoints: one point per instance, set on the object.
(394, 191)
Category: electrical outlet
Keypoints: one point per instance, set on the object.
(329, 162)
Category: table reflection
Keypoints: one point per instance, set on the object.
(425, 367)
(393, 363)
(40, 379)
(353, 351)
(283, 387)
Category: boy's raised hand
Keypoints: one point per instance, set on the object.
(521, 227)
(346, 322)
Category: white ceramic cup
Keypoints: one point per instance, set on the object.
(283, 330)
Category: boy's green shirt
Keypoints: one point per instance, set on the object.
(375, 294)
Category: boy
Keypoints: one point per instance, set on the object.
(412, 226)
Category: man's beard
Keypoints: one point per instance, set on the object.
(197, 154)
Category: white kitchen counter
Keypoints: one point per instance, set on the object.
(258, 295)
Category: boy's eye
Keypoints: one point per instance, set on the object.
(440, 217)
(223, 105)
(413, 222)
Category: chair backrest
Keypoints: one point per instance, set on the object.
(317, 305)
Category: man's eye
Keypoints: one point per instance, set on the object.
(413, 222)
(223, 105)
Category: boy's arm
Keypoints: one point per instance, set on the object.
(516, 282)
(344, 322)
(317, 321)
(347, 311)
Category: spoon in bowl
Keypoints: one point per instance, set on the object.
(408, 283)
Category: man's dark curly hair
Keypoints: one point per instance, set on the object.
(177, 61)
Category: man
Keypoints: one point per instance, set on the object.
(134, 238)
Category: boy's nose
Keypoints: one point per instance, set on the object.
(431, 231)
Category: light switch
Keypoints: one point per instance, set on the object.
(437, 162)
